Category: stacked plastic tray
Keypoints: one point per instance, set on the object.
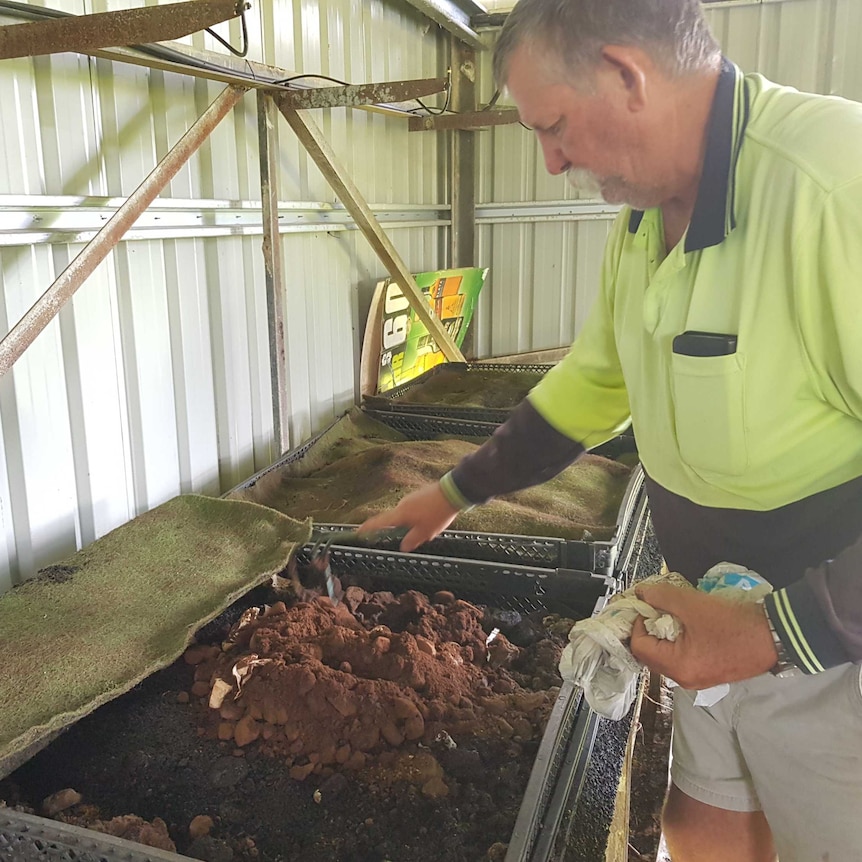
(563, 762)
(395, 401)
(587, 555)
(522, 573)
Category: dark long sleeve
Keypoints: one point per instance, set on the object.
(523, 451)
(819, 617)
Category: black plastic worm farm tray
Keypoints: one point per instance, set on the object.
(392, 400)
(563, 754)
(599, 556)
(570, 794)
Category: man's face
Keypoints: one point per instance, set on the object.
(586, 133)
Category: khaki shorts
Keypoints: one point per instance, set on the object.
(791, 747)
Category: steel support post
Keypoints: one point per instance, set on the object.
(318, 148)
(46, 308)
(463, 158)
(463, 170)
(267, 128)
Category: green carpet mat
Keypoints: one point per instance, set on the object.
(89, 628)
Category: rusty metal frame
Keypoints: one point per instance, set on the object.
(84, 33)
(357, 95)
(226, 68)
(468, 121)
(272, 97)
(46, 308)
(318, 148)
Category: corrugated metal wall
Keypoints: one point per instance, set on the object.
(155, 379)
(543, 268)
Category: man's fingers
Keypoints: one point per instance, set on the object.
(651, 651)
(667, 597)
(414, 538)
(380, 522)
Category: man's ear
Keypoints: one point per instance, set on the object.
(630, 70)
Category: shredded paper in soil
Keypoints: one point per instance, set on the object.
(88, 629)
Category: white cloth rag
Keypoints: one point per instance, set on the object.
(598, 659)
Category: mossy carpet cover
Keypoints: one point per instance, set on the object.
(89, 628)
(359, 467)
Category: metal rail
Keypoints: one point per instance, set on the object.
(49, 304)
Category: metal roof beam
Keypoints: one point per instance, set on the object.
(82, 33)
(454, 16)
(355, 95)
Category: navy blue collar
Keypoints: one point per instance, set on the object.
(713, 217)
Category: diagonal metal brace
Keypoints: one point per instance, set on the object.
(84, 33)
(48, 306)
(316, 145)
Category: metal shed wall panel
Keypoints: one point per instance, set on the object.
(155, 379)
(543, 275)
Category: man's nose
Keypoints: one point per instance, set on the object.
(555, 161)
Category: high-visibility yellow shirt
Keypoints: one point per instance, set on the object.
(773, 256)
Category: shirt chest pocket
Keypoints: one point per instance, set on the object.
(708, 407)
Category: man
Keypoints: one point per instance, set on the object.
(727, 330)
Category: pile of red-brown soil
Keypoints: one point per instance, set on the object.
(476, 388)
(361, 477)
(382, 728)
(323, 687)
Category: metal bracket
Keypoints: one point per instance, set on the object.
(465, 122)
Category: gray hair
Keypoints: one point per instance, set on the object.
(572, 33)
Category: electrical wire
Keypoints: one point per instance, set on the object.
(493, 102)
(428, 109)
(162, 52)
(242, 51)
(293, 78)
(434, 112)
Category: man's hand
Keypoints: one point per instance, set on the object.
(426, 511)
(721, 640)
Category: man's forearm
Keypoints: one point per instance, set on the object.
(523, 451)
